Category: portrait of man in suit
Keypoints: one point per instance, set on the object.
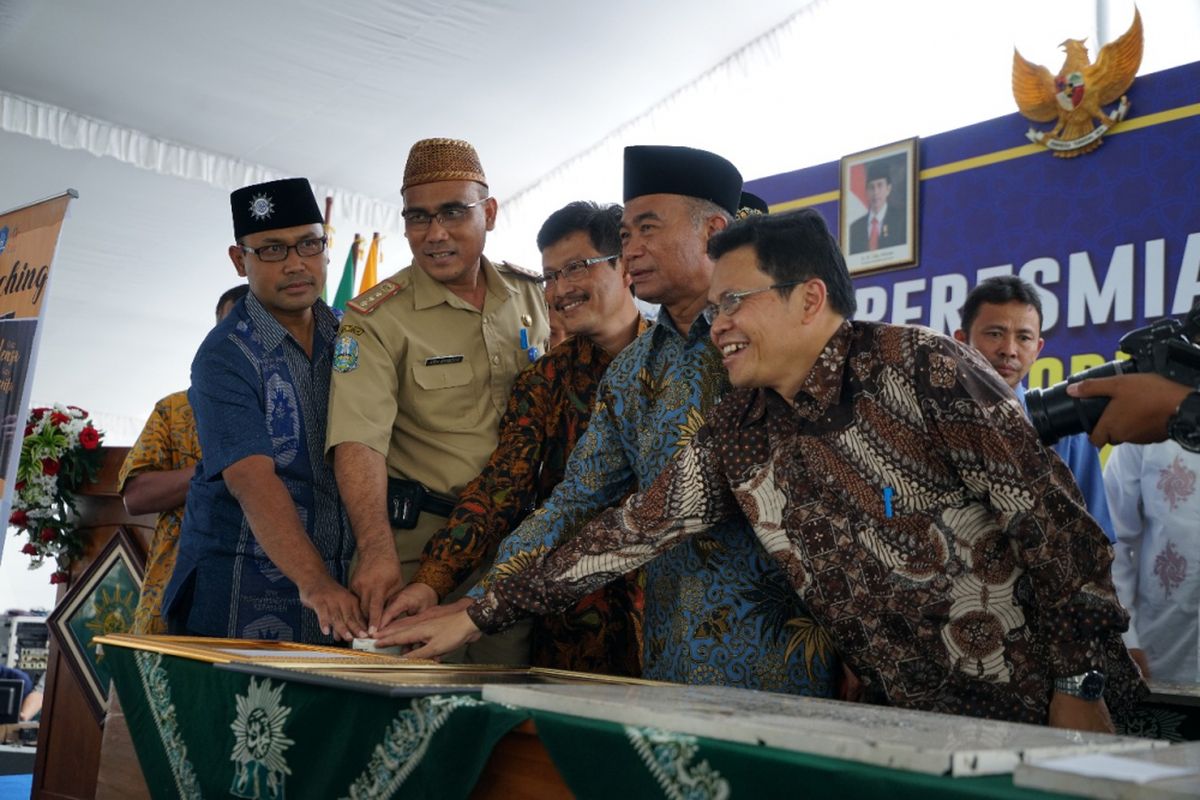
(883, 225)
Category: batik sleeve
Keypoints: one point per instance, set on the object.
(688, 497)
(982, 431)
(598, 475)
(152, 450)
(494, 501)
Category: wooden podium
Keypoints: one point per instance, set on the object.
(69, 738)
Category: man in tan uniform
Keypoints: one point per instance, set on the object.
(423, 366)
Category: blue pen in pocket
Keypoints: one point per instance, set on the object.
(532, 352)
(887, 501)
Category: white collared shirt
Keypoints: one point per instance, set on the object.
(1154, 499)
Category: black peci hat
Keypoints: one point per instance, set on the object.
(751, 203)
(276, 204)
(661, 169)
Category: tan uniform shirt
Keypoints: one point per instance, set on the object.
(423, 377)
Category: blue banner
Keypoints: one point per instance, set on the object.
(1111, 238)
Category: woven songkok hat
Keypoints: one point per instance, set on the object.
(432, 160)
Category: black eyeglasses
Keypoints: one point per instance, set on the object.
(572, 270)
(446, 216)
(305, 248)
(730, 302)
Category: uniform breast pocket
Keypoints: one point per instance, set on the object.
(447, 398)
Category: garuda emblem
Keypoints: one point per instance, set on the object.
(1075, 98)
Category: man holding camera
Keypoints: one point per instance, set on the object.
(1143, 409)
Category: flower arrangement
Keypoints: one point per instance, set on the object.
(61, 451)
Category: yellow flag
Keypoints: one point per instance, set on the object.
(371, 270)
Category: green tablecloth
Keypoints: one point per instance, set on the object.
(201, 731)
(605, 760)
(205, 732)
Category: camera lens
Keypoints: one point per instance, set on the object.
(1056, 414)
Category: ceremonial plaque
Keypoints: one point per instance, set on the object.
(918, 741)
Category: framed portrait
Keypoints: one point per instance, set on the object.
(101, 602)
(877, 215)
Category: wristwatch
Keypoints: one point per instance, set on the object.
(1086, 686)
(1184, 425)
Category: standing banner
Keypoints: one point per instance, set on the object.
(28, 238)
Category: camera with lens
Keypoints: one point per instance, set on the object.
(1167, 347)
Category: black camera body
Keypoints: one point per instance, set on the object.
(1166, 347)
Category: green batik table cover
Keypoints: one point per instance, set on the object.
(206, 732)
(200, 731)
(605, 760)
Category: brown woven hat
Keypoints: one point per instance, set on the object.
(432, 160)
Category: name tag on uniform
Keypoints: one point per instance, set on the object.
(434, 361)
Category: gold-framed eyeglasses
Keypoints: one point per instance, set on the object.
(572, 270)
(305, 248)
(448, 216)
(730, 302)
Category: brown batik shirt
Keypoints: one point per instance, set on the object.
(979, 581)
(548, 411)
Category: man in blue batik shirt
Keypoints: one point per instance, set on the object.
(1002, 319)
(717, 609)
(265, 542)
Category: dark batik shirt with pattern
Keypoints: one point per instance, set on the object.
(987, 579)
(548, 411)
(256, 392)
(718, 611)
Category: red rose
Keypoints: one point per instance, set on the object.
(28, 429)
(58, 418)
(48, 535)
(50, 466)
(89, 438)
(38, 413)
(59, 577)
(29, 549)
(18, 518)
(20, 486)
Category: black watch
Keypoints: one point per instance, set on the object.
(1086, 686)
(1184, 425)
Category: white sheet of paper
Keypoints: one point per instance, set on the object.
(250, 652)
(1115, 768)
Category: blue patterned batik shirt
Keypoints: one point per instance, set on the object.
(718, 611)
(256, 392)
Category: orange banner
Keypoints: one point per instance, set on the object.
(28, 238)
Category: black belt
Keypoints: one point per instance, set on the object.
(407, 499)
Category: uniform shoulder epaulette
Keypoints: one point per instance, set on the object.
(369, 300)
(522, 272)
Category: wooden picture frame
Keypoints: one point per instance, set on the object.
(878, 209)
(101, 602)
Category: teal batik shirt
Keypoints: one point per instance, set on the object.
(718, 610)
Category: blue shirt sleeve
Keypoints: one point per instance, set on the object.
(1084, 462)
(226, 400)
(13, 674)
(598, 475)
(1082, 458)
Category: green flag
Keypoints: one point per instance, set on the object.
(345, 289)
